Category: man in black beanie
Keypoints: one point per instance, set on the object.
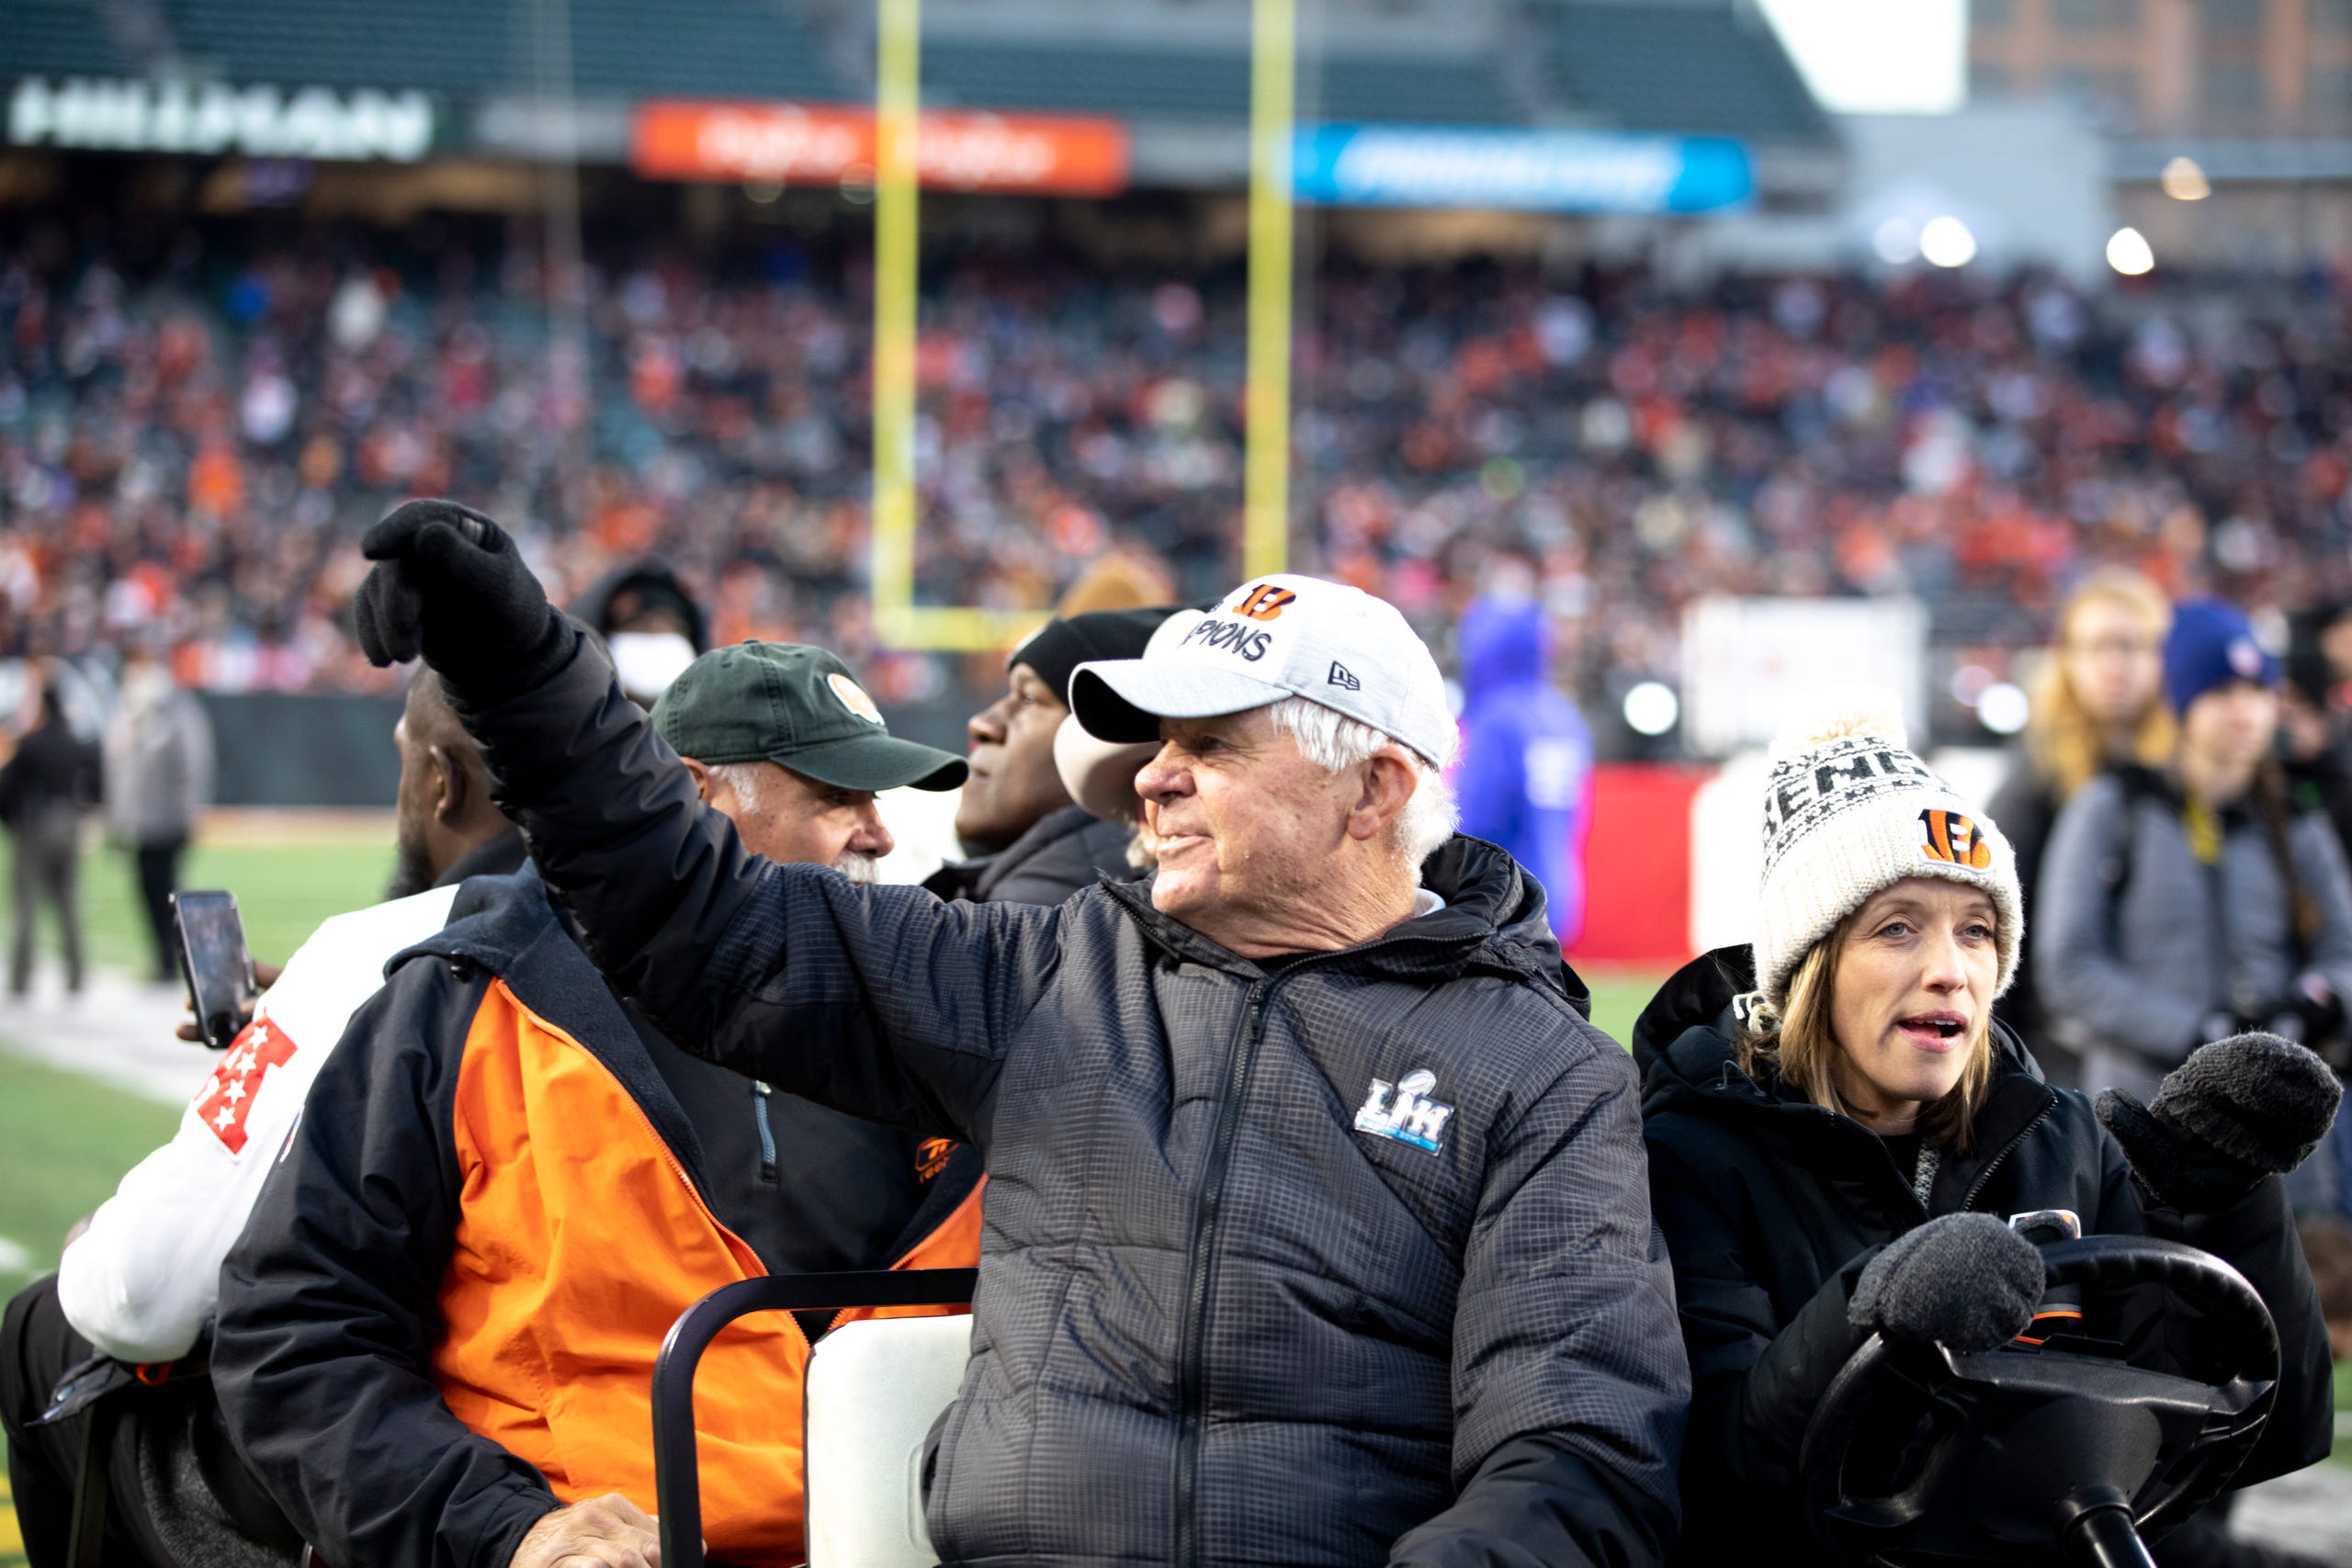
(1032, 843)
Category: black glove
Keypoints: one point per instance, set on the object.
(449, 584)
(1967, 1281)
(2237, 1111)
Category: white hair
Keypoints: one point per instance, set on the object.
(751, 782)
(1334, 743)
(748, 780)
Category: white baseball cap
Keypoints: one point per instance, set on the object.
(1273, 637)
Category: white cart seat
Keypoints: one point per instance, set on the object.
(874, 1389)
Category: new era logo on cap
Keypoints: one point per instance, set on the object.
(1272, 637)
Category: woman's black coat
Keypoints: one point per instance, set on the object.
(1771, 1205)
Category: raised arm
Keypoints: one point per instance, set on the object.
(880, 1001)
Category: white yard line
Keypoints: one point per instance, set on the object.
(117, 1029)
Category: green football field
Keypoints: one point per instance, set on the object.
(65, 1140)
(284, 889)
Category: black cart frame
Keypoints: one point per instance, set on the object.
(676, 1481)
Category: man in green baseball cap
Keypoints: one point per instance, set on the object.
(781, 737)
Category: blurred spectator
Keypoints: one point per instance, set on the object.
(2315, 720)
(2185, 904)
(158, 777)
(44, 789)
(2328, 1247)
(1526, 778)
(651, 624)
(2097, 701)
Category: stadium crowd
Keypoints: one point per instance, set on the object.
(195, 424)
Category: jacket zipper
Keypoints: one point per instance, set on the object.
(760, 1092)
(1242, 1056)
(1976, 1188)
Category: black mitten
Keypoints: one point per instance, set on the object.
(450, 585)
(1967, 1281)
(2237, 1111)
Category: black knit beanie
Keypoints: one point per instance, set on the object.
(1060, 646)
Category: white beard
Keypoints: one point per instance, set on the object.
(864, 870)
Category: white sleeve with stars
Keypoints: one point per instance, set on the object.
(142, 1280)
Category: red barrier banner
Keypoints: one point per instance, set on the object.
(1637, 865)
(822, 144)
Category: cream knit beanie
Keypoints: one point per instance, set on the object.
(1849, 811)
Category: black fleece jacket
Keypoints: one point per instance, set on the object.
(1771, 1205)
(1063, 853)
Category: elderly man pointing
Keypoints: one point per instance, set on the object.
(1317, 1229)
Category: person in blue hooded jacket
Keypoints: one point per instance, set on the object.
(1526, 778)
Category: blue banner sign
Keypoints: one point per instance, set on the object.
(1554, 171)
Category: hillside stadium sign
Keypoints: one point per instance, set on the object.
(103, 114)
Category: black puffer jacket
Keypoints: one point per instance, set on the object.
(1771, 1205)
(1217, 1321)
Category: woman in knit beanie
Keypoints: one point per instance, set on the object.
(1838, 1129)
(1873, 863)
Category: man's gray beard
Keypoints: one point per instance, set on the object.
(862, 869)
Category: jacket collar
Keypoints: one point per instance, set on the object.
(506, 925)
(980, 876)
(1493, 919)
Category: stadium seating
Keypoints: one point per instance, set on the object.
(190, 446)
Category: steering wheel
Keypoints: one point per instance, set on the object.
(2003, 1455)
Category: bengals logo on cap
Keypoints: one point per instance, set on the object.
(1949, 837)
(1264, 601)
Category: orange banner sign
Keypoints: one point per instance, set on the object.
(821, 143)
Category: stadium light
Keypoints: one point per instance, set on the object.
(1946, 241)
(1651, 708)
(1897, 241)
(2129, 254)
(2183, 181)
(2002, 708)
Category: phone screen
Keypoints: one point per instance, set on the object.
(212, 956)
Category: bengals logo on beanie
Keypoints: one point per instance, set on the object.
(1850, 810)
(1949, 837)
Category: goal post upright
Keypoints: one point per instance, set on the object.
(1273, 100)
(900, 621)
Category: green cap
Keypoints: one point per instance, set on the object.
(798, 706)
